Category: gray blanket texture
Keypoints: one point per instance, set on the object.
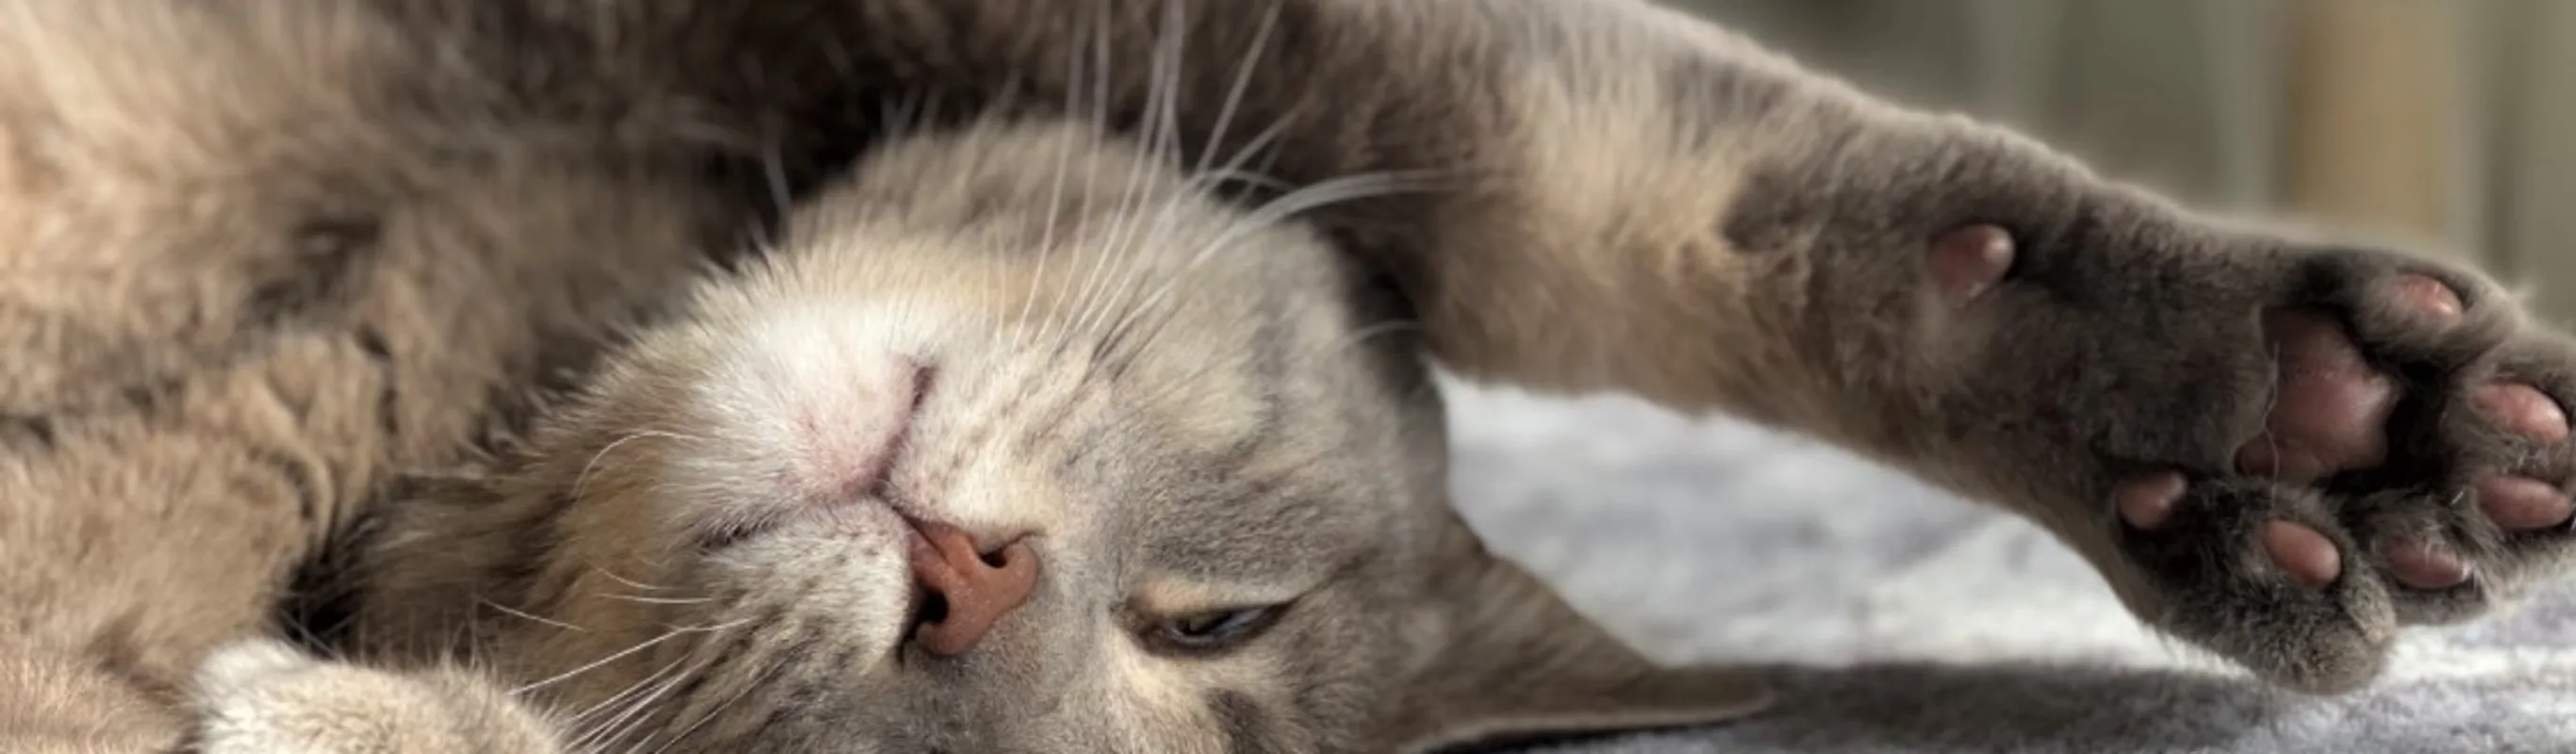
(1907, 620)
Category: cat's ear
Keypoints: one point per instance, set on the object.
(1505, 658)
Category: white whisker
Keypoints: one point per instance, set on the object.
(1199, 184)
(1165, 144)
(622, 654)
(531, 617)
(1106, 262)
(618, 700)
(627, 722)
(1234, 94)
(1098, 67)
(612, 576)
(1268, 215)
(659, 600)
(1362, 335)
(581, 482)
(1055, 196)
(718, 710)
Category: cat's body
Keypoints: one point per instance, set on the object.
(1177, 403)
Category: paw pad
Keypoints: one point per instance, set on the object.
(2523, 410)
(2331, 407)
(2148, 503)
(2427, 296)
(2423, 565)
(2518, 504)
(1969, 260)
(2302, 552)
(2397, 453)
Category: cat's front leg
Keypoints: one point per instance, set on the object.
(2278, 448)
(262, 697)
(2275, 446)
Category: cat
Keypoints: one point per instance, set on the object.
(1164, 482)
(2275, 445)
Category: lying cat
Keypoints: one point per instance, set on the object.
(1109, 434)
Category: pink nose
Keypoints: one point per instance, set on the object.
(970, 592)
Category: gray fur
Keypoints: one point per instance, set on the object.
(1595, 195)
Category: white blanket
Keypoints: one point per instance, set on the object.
(1911, 621)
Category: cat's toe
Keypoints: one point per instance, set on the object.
(2521, 505)
(2425, 563)
(2301, 552)
(2494, 512)
(2257, 571)
(2523, 411)
(2149, 504)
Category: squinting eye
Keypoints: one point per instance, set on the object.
(1211, 631)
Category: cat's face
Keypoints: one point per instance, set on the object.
(1210, 478)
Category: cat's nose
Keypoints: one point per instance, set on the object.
(969, 591)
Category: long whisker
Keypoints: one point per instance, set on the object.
(1055, 194)
(1235, 93)
(1363, 335)
(1100, 104)
(612, 576)
(626, 723)
(640, 599)
(1198, 185)
(1161, 143)
(1204, 181)
(624, 653)
(530, 617)
(1268, 215)
(1098, 278)
(712, 713)
(629, 707)
(618, 700)
(581, 481)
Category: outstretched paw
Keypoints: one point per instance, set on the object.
(263, 696)
(2412, 466)
(2281, 453)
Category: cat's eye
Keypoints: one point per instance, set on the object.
(1211, 631)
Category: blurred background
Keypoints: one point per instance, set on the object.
(2452, 121)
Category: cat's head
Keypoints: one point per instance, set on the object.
(1202, 464)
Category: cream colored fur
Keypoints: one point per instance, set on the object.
(350, 282)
